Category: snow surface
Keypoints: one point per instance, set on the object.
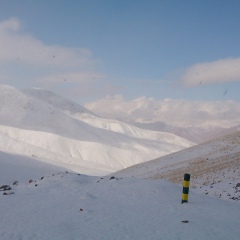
(23, 168)
(66, 205)
(55, 130)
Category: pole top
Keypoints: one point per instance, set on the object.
(187, 176)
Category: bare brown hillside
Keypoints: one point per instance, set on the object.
(214, 167)
(207, 163)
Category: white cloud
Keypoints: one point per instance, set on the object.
(177, 112)
(27, 62)
(221, 71)
(16, 45)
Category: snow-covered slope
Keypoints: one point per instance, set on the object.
(20, 168)
(43, 202)
(55, 130)
(82, 114)
(214, 167)
(58, 102)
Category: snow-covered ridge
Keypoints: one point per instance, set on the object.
(40, 123)
(57, 101)
(84, 115)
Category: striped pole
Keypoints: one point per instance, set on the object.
(186, 183)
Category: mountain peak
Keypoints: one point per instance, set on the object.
(57, 101)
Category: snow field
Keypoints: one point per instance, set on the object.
(71, 206)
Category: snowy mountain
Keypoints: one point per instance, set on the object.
(197, 134)
(42, 199)
(43, 125)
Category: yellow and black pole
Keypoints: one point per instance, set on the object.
(186, 183)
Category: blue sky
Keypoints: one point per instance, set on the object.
(86, 50)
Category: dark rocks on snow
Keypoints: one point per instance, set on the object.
(114, 178)
(8, 193)
(235, 198)
(15, 183)
(5, 188)
(100, 180)
(238, 185)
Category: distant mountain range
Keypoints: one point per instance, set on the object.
(197, 134)
(197, 121)
(47, 127)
